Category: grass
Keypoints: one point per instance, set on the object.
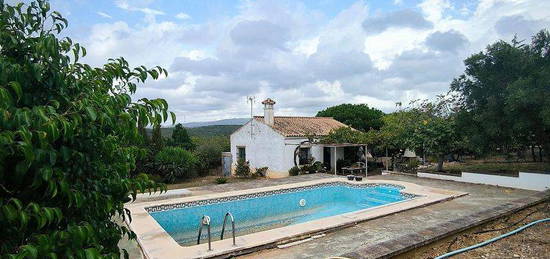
(500, 168)
(204, 180)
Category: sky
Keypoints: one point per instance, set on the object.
(306, 55)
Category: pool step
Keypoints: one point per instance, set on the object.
(371, 202)
(396, 197)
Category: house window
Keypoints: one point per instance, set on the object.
(241, 153)
(304, 155)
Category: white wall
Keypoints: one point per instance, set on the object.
(264, 147)
(528, 181)
(317, 153)
(290, 145)
(339, 155)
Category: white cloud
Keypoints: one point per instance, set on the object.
(183, 16)
(150, 14)
(105, 15)
(304, 60)
(398, 2)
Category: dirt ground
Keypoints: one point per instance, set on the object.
(533, 242)
(203, 181)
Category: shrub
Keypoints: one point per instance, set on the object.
(173, 163)
(243, 169)
(294, 171)
(66, 129)
(221, 180)
(209, 155)
(181, 138)
(317, 166)
(260, 172)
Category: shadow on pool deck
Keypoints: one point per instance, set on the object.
(395, 233)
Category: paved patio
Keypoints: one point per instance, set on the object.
(393, 234)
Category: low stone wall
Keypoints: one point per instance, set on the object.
(525, 180)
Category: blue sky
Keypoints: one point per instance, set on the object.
(306, 55)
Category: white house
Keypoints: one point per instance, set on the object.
(273, 140)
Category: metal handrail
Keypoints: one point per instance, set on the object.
(205, 220)
(232, 226)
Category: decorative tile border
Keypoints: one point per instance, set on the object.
(165, 207)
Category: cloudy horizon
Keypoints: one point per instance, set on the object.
(306, 55)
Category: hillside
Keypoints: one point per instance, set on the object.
(214, 130)
(204, 131)
(225, 122)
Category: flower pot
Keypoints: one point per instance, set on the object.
(351, 177)
(358, 178)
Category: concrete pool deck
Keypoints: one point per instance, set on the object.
(157, 243)
(393, 234)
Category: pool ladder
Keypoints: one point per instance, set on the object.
(205, 221)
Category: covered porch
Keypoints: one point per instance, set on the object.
(349, 154)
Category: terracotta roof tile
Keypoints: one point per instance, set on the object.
(302, 126)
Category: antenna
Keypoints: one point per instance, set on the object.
(251, 99)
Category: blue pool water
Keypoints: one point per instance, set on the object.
(254, 214)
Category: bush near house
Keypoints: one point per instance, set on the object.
(208, 151)
(242, 169)
(221, 180)
(260, 172)
(294, 171)
(175, 163)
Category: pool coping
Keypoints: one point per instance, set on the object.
(155, 242)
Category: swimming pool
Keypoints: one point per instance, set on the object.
(270, 215)
(273, 209)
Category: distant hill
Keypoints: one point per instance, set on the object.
(226, 122)
(213, 130)
(204, 131)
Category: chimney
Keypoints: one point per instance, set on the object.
(269, 117)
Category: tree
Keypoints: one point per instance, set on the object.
(395, 135)
(435, 131)
(157, 141)
(358, 116)
(344, 135)
(66, 135)
(504, 95)
(426, 126)
(528, 98)
(180, 137)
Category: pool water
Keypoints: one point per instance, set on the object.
(276, 210)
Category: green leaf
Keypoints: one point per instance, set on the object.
(92, 253)
(29, 251)
(9, 213)
(17, 89)
(91, 113)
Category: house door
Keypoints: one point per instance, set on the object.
(326, 158)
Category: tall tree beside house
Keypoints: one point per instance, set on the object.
(180, 137)
(157, 141)
(505, 95)
(425, 126)
(66, 136)
(358, 116)
(435, 130)
(395, 133)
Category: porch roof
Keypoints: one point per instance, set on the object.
(342, 145)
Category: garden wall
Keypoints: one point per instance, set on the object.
(525, 180)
